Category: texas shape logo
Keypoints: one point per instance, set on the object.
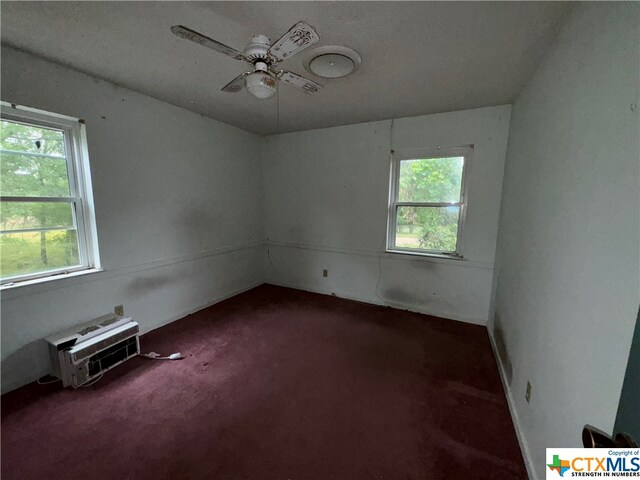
(559, 465)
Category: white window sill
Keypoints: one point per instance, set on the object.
(425, 254)
(50, 278)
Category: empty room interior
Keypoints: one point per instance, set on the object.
(318, 240)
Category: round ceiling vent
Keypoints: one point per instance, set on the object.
(333, 62)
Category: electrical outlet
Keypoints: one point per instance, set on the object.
(325, 273)
(527, 394)
(119, 310)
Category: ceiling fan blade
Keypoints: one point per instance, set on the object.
(188, 34)
(299, 37)
(235, 85)
(307, 86)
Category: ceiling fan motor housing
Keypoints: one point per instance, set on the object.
(256, 50)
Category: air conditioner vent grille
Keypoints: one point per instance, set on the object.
(107, 358)
(92, 348)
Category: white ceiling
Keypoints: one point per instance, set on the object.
(417, 57)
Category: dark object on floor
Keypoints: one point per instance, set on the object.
(276, 384)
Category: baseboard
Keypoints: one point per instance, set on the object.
(524, 446)
(383, 303)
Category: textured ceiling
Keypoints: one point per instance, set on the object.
(417, 57)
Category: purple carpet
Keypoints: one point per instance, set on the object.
(278, 384)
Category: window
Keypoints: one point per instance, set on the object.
(427, 201)
(46, 207)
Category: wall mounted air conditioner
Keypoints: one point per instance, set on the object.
(82, 353)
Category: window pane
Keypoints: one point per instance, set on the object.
(21, 137)
(436, 180)
(427, 228)
(25, 176)
(28, 253)
(24, 215)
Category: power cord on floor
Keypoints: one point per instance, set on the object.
(95, 380)
(40, 382)
(56, 380)
(157, 356)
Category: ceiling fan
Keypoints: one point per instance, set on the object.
(262, 81)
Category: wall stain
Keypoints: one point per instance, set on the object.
(399, 295)
(146, 285)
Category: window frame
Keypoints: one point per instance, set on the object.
(80, 190)
(397, 156)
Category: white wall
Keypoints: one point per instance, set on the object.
(567, 268)
(326, 200)
(178, 206)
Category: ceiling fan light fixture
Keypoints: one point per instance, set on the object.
(333, 62)
(261, 84)
(331, 65)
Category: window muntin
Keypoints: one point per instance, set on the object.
(47, 224)
(427, 201)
